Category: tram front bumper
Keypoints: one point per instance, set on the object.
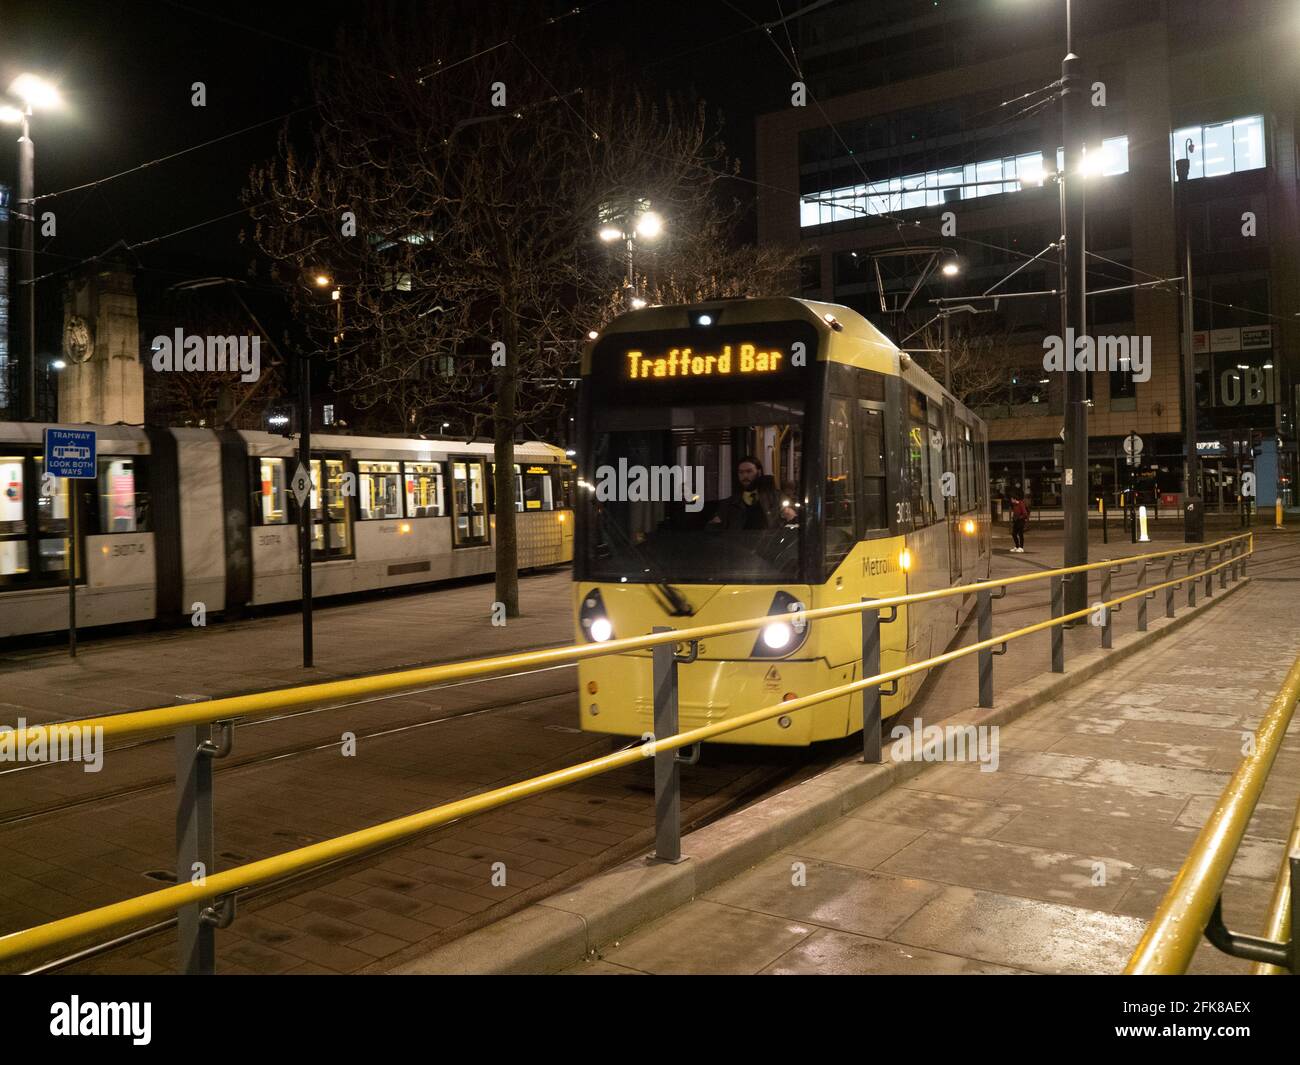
(616, 697)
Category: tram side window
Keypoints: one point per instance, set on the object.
(871, 451)
(380, 490)
(538, 490)
(425, 490)
(841, 531)
(936, 442)
(918, 462)
(123, 503)
(52, 525)
(562, 487)
(270, 492)
(969, 492)
(13, 525)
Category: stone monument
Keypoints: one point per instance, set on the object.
(103, 379)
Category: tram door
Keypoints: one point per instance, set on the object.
(468, 502)
(951, 501)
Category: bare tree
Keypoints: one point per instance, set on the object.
(451, 203)
(979, 363)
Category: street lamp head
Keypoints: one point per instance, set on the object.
(36, 93)
(609, 233)
(951, 269)
(322, 280)
(649, 225)
(58, 364)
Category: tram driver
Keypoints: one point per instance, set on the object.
(754, 504)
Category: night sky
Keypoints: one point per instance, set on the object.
(125, 68)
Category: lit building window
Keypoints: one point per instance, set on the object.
(935, 187)
(1222, 148)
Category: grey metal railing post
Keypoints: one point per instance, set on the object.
(668, 774)
(1223, 570)
(1105, 607)
(871, 746)
(1191, 589)
(1058, 631)
(197, 923)
(1169, 592)
(1142, 612)
(984, 609)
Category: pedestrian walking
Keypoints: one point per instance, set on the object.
(1019, 519)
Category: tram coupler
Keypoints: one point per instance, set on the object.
(691, 654)
(688, 755)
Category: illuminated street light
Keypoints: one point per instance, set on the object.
(630, 224)
(36, 93)
(649, 225)
(322, 280)
(58, 364)
(951, 269)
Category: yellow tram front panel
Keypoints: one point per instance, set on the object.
(728, 679)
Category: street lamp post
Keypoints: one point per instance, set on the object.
(639, 223)
(1074, 489)
(1193, 506)
(34, 93)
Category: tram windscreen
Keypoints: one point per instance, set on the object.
(696, 494)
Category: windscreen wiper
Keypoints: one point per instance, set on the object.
(678, 604)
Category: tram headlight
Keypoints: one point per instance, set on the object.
(782, 635)
(778, 635)
(593, 620)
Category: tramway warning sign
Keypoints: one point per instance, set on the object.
(70, 453)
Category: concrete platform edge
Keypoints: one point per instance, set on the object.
(565, 928)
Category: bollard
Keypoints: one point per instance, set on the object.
(1101, 508)
(1143, 538)
(1277, 513)
(984, 607)
(1058, 631)
(1105, 599)
(668, 773)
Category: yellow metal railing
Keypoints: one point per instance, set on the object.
(165, 719)
(1190, 904)
(134, 911)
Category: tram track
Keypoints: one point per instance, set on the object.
(791, 766)
(228, 765)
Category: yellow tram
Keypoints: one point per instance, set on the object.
(751, 457)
